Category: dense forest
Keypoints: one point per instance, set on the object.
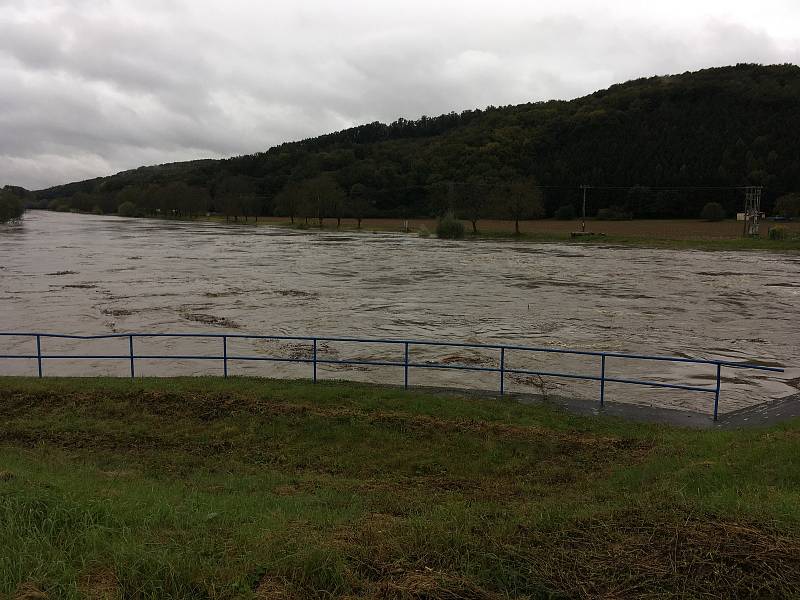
(649, 148)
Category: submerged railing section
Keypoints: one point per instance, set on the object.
(406, 364)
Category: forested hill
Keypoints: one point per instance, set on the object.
(731, 126)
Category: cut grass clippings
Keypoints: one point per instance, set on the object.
(253, 488)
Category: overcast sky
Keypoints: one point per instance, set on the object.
(92, 87)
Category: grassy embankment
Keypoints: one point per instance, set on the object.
(212, 488)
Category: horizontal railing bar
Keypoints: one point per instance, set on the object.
(613, 379)
(268, 359)
(555, 374)
(748, 366)
(366, 363)
(699, 361)
(86, 356)
(676, 386)
(456, 367)
(80, 337)
(623, 355)
(173, 356)
(376, 363)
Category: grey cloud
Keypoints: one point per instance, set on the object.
(90, 88)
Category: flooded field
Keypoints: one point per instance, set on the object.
(673, 229)
(85, 274)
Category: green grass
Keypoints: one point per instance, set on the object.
(248, 488)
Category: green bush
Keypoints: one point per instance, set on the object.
(712, 211)
(565, 213)
(778, 233)
(449, 227)
(58, 205)
(11, 207)
(127, 209)
(788, 206)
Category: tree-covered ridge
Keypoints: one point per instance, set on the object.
(645, 146)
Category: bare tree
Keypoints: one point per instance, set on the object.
(521, 200)
(472, 200)
(235, 193)
(326, 197)
(358, 203)
(287, 202)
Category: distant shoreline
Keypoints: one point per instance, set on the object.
(680, 234)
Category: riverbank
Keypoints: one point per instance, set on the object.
(668, 234)
(678, 234)
(686, 234)
(253, 488)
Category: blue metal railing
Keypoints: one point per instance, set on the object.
(315, 360)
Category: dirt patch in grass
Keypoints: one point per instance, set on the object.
(380, 568)
(295, 489)
(636, 556)
(95, 440)
(275, 589)
(429, 584)
(100, 585)
(29, 591)
(628, 555)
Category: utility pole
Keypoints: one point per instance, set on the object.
(752, 209)
(583, 218)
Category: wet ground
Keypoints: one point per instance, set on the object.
(89, 274)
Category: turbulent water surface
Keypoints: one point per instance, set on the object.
(85, 274)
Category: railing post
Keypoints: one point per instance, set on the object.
(315, 360)
(602, 380)
(502, 370)
(130, 346)
(716, 393)
(224, 355)
(405, 369)
(39, 353)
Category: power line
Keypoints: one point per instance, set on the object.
(664, 188)
(673, 188)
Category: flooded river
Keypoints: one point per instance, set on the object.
(85, 274)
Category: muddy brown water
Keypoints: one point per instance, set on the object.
(85, 274)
